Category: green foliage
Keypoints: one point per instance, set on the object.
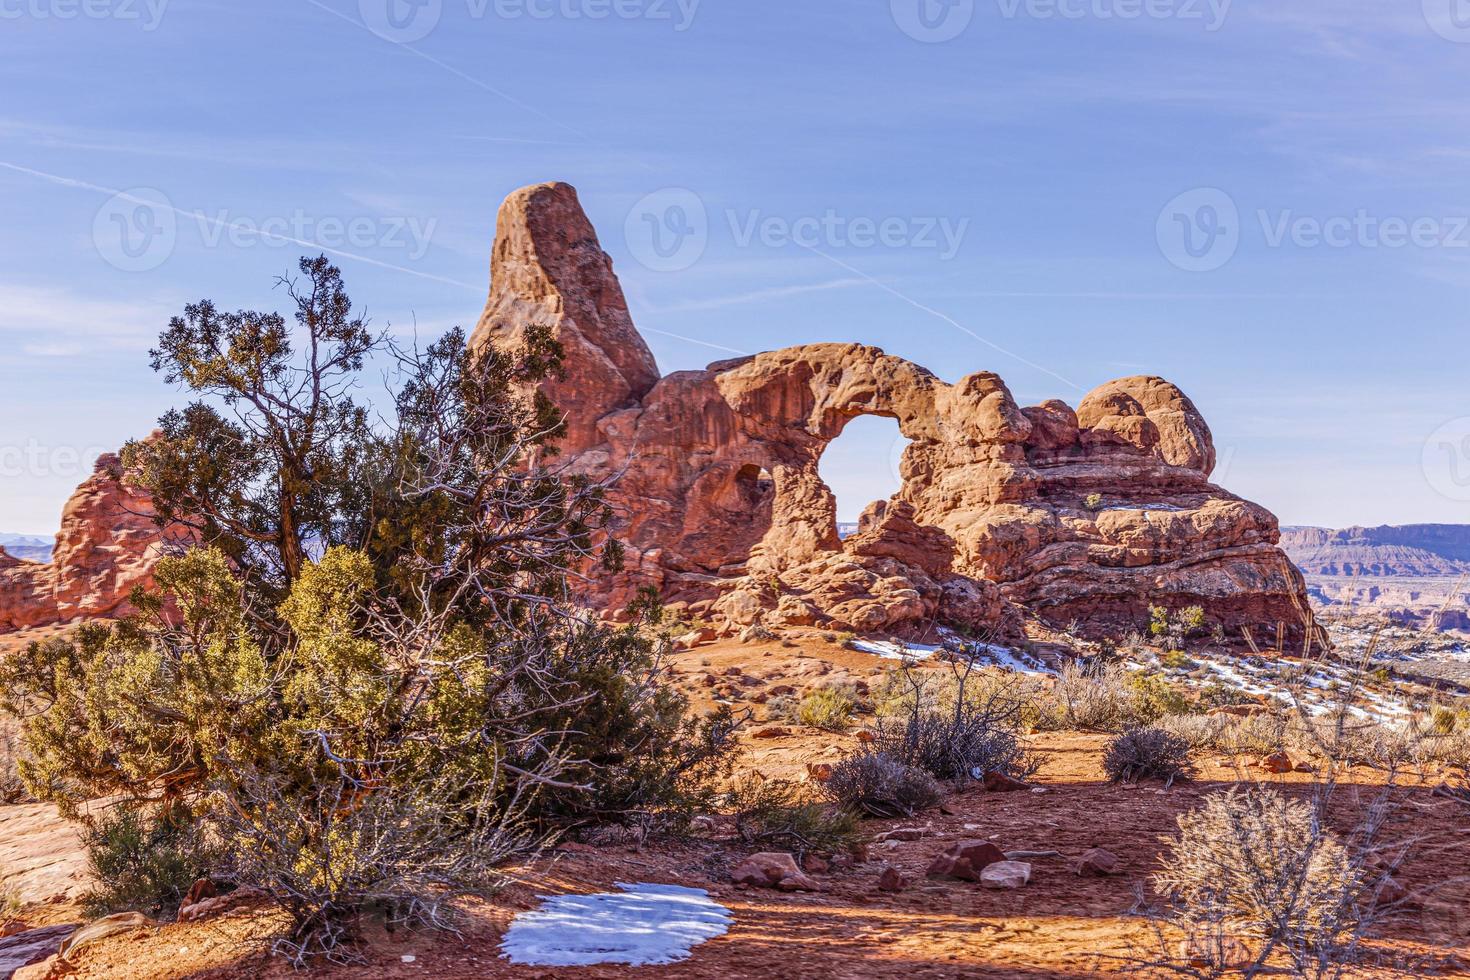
(143, 861)
(366, 681)
(1094, 502)
(782, 815)
(1153, 698)
(1174, 629)
(829, 708)
(1177, 660)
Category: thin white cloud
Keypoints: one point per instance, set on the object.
(756, 296)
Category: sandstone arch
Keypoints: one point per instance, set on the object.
(1085, 515)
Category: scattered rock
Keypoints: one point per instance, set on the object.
(1097, 863)
(773, 870)
(904, 834)
(771, 731)
(818, 772)
(966, 860)
(1006, 874)
(815, 864)
(29, 949)
(211, 907)
(999, 782)
(1278, 762)
(201, 889)
(110, 925)
(892, 880)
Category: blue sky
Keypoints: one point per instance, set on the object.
(996, 184)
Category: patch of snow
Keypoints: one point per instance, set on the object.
(644, 925)
(896, 651)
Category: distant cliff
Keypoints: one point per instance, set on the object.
(1410, 550)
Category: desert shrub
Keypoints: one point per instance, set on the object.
(1218, 695)
(1173, 629)
(1147, 753)
(1108, 697)
(12, 786)
(1094, 501)
(10, 907)
(880, 785)
(830, 708)
(780, 814)
(1260, 734)
(1177, 660)
(144, 861)
(966, 730)
(1266, 865)
(1198, 731)
(365, 677)
(1153, 698)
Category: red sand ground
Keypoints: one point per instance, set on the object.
(1059, 926)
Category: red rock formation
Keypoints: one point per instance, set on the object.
(1085, 516)
(107, 545)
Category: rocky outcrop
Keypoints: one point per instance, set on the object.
(107, 545)
(1082, 516)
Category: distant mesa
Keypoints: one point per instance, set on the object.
(1415, 574)
(1412, 550)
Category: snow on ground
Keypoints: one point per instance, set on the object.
(893, 650)
(1003, 657)
(645, 925)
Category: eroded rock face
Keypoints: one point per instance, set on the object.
(107, 545)
(1087, 515)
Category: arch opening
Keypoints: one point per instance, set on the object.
(861, 465)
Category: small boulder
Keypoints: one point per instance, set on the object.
(773, 870)
(966, 860)
(815, 864)
(1097, 863)
(999, 782)
(1006, 875)
(904, 834)
(771, 731)
(892, 880)
(1278, 763)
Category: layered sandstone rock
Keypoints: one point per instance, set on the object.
(1087, 515)
(107, 545)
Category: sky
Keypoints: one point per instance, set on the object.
(1263, 202)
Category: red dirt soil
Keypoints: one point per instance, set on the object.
(1061, 925)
